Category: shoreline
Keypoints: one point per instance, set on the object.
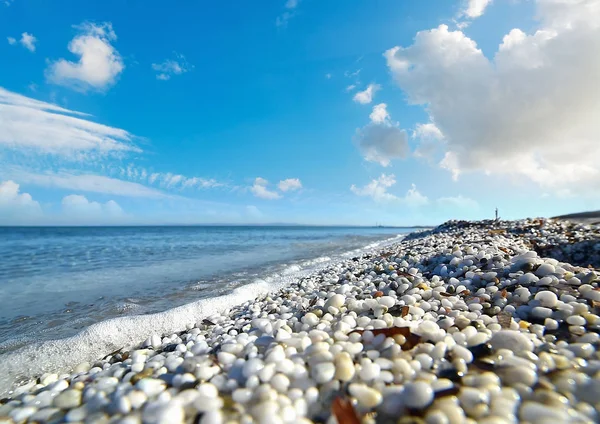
(491, 331)
(61, 355)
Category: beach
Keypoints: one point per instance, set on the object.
(488, 321)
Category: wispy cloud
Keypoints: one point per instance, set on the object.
(289, 12)
(11, 40)
(80, 182)
(169, 67)
(29, 124)
(99, 62)
(166, 180)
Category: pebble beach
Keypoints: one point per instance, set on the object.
(490, 322)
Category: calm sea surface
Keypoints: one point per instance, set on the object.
(56, 281)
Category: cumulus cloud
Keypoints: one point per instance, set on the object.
(28, 41)
(379, 113)
(291, 184)
(476, 8)
(30, 124)
(366, 96)
(259, 189)
(99, 62)
(11, 40)
(531, 111)
(429, 137)
(382, 140)
(16, 207)
(377, 189)
(170, 67)
(76, 204)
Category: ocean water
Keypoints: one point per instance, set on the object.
(57, 282)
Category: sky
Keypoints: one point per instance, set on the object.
(297, 111)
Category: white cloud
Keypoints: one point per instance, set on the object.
(201, 183)
(414, 198)
(459, 202)
(84, 183)
(259, 189)
(377, 190)
(366, 96)
(328, 76)
(350, 87)
(382, 140)
(28, 41)
(166, 180)
(531, 111)
(11, 40)
(16, 207)
(80, 207)
(291, 184)
(30, 124)
(99, 62)
(283, 19)
(379, 114)
(429, 137)
(476, 8)
(170, 67)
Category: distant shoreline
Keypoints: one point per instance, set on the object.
(222, 225)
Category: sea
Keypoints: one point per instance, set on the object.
(69, 293)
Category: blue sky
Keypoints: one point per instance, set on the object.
(381, 111)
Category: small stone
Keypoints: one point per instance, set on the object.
(417, 395)
(511, 340)
(545, 269)
(337, 301)
(163, 412)
(366, 396)
(546, 298)
(344, 367)
(68, 399)
(151, 386)
(535, 413)
(323, 372)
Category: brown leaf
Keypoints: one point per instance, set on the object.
(405, 310)
(411, 339)
(343, 411)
